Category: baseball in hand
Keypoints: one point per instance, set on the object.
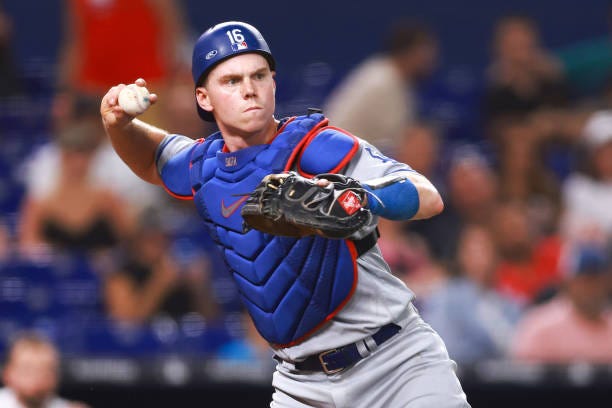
(134, 99)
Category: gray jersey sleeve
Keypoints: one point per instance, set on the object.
(171, 146)
(369, 163)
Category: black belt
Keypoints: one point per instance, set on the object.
(336, 360)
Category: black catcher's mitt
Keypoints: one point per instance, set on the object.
(290, 205)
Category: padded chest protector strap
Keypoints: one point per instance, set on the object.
(327, 151)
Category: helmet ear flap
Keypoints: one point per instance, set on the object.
(221, 42)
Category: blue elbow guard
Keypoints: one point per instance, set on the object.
(397, 200)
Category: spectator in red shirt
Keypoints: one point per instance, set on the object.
(529, 262)
(146, 37)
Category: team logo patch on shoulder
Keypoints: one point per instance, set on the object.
(349, 202)
(231, 161)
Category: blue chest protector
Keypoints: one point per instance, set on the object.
(290, 286)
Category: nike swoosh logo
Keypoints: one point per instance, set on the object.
(228, 211)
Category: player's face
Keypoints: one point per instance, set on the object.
(241, 94)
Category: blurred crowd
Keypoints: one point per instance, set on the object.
(517, 266)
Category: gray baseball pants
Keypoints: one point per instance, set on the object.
(410, 370)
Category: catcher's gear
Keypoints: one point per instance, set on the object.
(290, 205)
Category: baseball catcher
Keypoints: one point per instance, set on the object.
(301, 246)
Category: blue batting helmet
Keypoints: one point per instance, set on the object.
(221, 42)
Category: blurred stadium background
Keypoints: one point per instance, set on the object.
(206, 356)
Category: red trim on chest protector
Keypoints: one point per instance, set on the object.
(174, 195)
(307, 137)
(340, 165)
(354, 255)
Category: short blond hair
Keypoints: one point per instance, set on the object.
(29, 340)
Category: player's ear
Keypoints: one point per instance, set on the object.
(203, 99)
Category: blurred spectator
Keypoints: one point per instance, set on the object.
(251, 348)
(151, 281)
(522, 78)
(525, 111)
(469, 198)
(420, 148)
(524, 178)
(31, 376)
(529, 263)
(409, 259)
(41, 173)
(576, 326)
(154, 28)
(587, 196)
(522, 175)
(376, 100)
(475, 321)
(75, 214)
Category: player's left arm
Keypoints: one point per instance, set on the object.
(396, 191)
(405, 195)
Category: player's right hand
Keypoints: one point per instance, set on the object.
(112, 114)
